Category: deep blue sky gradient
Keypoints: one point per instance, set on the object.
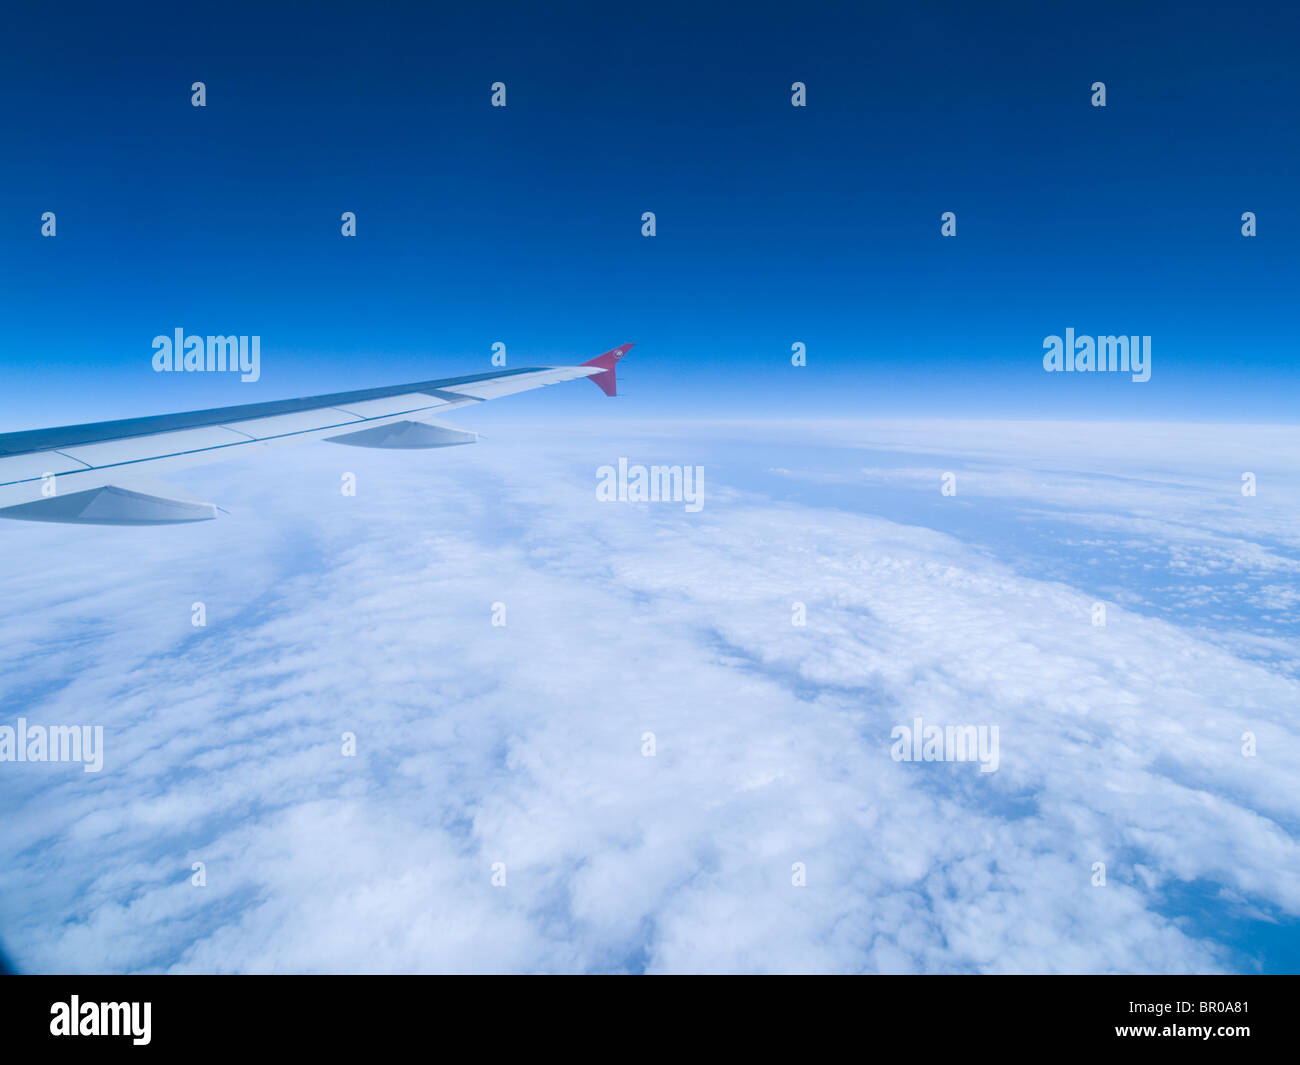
(775, 224)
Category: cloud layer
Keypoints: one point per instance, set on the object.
(523, 744)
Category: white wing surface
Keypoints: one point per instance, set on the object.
(90, 474)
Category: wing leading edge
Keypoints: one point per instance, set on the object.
(80, 473)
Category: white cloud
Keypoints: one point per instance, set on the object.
(523, 744)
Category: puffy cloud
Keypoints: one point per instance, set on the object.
(522, 744)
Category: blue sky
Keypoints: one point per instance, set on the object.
(775, 224)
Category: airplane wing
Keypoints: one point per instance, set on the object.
(83, 474)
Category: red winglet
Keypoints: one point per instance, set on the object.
(606, 381)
